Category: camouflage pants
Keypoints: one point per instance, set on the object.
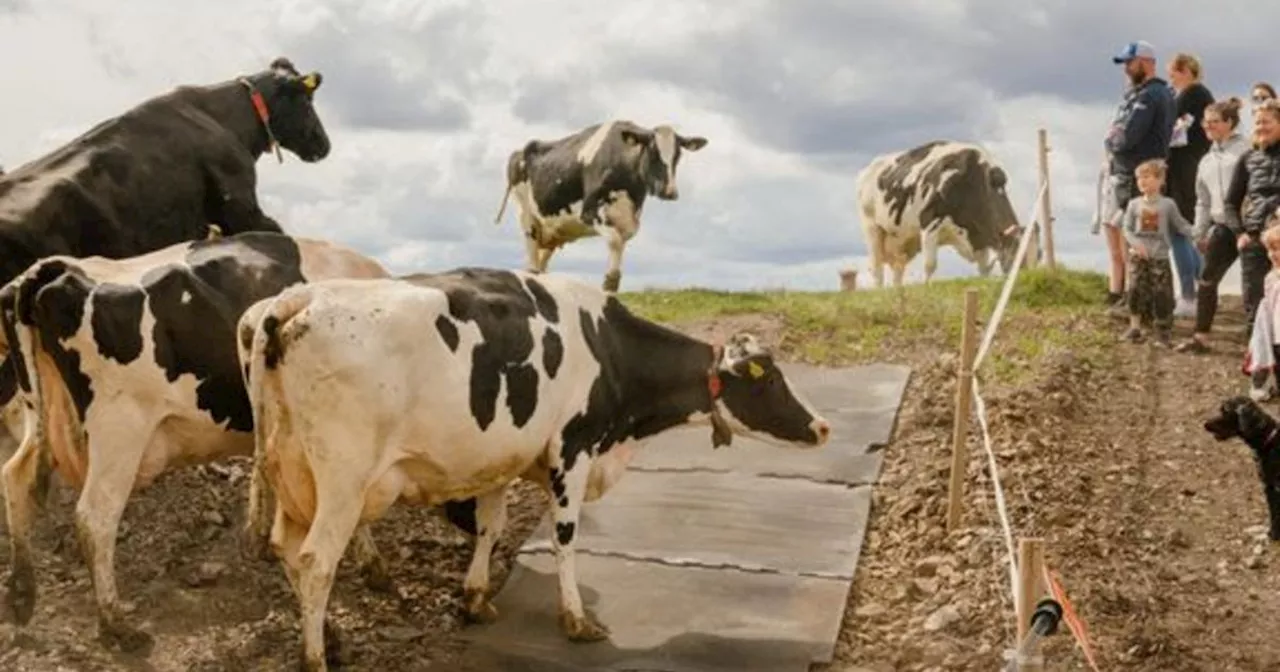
(1151, 291)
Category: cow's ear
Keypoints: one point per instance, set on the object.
(693, 143)
(637, 136)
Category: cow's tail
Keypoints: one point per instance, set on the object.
(517, 172)
(20, 316)
(260, 350)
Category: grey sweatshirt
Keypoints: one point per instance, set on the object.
(1212, 179)
(1148, 224)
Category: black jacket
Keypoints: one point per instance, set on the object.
(1254, 193)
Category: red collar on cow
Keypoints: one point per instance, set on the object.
(721, 435)
(264, 115)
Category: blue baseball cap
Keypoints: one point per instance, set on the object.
(1138, 49)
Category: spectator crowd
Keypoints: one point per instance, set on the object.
(1183, 195)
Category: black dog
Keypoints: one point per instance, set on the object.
(1241, 417)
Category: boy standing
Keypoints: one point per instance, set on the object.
(1148, 222)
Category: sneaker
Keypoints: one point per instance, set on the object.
(1162, 340)
(1185, 308)
(1132, 335)
(1192, 346)
(1260, 394)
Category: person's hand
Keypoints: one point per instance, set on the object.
(1202, 244)
(1242, 241)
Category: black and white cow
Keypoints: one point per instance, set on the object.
(450, 386)
(128, 367)
(939, 193)
(567, 189)
(158, 173)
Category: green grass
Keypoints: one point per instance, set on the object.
(838, 327)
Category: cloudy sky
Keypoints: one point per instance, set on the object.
(424, 99)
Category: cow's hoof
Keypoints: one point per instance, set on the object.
(332, 644)
(584, 629)
(479, 609)
(21, 599)
(1275, 536)
(611, 282)
(376, 577)
(126, 638)
(255, 545)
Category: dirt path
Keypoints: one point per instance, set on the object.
(1156, 529)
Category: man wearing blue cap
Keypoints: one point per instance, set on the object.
(1143, 125)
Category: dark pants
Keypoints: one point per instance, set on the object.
(1219, 254)
(1151, 291)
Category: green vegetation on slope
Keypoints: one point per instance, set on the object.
(1047, 311)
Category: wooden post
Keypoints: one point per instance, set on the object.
(1030, 589)
(849, 280)
(1046, 209)
(964, 400)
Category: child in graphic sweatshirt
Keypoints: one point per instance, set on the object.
(1148, 223)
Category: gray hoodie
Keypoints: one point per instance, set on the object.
(1213, 177)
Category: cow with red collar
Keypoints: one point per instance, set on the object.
(450, 386)
(157, 174)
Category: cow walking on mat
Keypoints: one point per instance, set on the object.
(569, 188)
(450, 386)
(939, 193)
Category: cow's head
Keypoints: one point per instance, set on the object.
(999, 211)
(660, 155)
(288, 96)
(756, 399)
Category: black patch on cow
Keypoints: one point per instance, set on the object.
(974, 195)
(522, 392)
(272, 348)
(53, 301)
(543, 300)
(448, 331)
(462, 513)
(564, 532)
(12, 369)
(552, 352)
(555, 477)
(498, 304)
(117, 321)
(222, 278)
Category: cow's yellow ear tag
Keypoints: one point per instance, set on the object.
(309, 81)
(755, 369)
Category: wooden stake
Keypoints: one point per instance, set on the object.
(1030, 589)
(1046, 209)
(849, 280)
(964, 400)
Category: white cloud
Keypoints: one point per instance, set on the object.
(424, 100)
